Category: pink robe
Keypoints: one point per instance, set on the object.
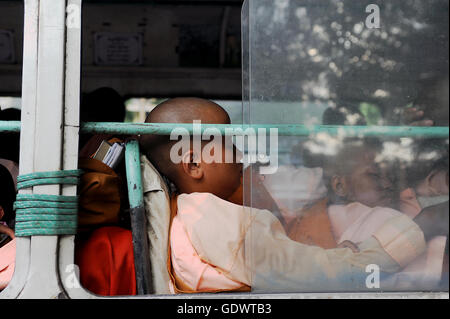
(190, 268)
(217, 245)
(7, 263)
(356, 222)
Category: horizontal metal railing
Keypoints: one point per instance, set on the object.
(283, 129)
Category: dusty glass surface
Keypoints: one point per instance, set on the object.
(379, 67)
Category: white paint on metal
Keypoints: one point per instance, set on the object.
(29, 82)
(42, 280)
(66, 247)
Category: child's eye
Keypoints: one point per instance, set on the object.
(374, 175)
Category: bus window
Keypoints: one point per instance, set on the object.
(351, 74)
(11, 47)
(344, 186)
(154, 52)
(162, 50)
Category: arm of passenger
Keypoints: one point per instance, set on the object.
(6, 230)
(251, 246)
(277, 263)
(434, 220)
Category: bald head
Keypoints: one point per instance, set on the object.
(177, 110)
(188, 110)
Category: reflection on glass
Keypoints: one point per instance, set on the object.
(333, 62)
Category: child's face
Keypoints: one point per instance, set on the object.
(368, 184)
(223, 179)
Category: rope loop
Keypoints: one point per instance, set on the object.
(40, 214)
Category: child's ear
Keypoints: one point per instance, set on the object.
(339, 186)
(2, 212)
(191, 166)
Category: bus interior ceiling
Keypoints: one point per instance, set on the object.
(143, 48)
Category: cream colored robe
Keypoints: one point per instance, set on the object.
(356, 222)
(250, 246)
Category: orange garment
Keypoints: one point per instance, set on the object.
(106, 262)
(101, 195)
(206, 278)
(313, 227)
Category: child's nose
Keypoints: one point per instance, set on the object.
(386, 182)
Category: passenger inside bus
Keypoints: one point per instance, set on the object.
(7, 217)
(427, 176)
(104, 104)
(96, 278)
(106, 261)
(362, 196)
(202, 212)
(9, 170)
(104, 248)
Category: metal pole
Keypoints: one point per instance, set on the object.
(68, 272)
(28, 116)
(283, 129)
(138, 219)
(47, 139)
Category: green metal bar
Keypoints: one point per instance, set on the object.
(142, 264)
(133, 168)
(9, 126)
(283, 129)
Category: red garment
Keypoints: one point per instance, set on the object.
(106, 262)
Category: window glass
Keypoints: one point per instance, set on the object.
(362, 89)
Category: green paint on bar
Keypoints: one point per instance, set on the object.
(134, 179)
(9, 126)
(283, 129)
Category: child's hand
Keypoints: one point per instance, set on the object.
(349, 244)
(6, 230)
(412, 116)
